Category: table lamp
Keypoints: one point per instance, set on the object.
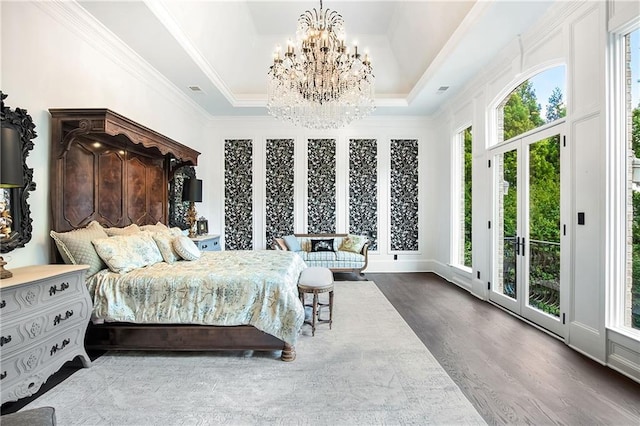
(192, 192)
(11, 176)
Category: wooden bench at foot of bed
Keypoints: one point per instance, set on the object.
(179, 337)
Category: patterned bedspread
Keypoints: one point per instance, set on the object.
(221, 288)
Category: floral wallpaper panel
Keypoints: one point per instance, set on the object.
(404, 195)
(363, 189)
(279, 189)
(238, 194)
(321, 186)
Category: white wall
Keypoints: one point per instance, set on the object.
(383, 129)
(49, 60)
(574, 34)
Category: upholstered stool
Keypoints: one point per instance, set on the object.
(43, 416)
(316, 280)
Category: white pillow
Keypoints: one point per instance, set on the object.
(186, 248)
(158, 227)
(124, 253)
(75, 246)
(131, 229)
(165, 245)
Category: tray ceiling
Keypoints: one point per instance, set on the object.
(224, 48)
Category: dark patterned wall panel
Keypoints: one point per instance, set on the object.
(363, 189)
(238, 194)
(279, 189)
(404, 195)
(321, 186)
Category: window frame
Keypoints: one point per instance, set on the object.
(618, 208)
(457, 198)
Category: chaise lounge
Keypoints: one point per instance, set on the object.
(338, 252)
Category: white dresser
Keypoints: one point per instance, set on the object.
(44, 313)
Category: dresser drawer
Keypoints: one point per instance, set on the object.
(8, 302)
(23, 373)
(42, 294)
(60, 287)
(36, 327)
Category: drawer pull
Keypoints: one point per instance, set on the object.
(3, 375)
(55, 348)
(59, 317)
(54, 289)
(4, 340)
(3, 303)
(204, 246)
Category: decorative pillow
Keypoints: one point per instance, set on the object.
(292, 242)
(353, 243)
(165, 245)
(124, 253)
(322, 245)
(175, 231)
(158, 227)
(131, 229)
(279, 244)
(75, 246)
(186, 248)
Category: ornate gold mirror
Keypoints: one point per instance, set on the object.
(16, 179)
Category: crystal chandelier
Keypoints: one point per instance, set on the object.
(319, 83)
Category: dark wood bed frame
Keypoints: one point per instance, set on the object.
(107, 168)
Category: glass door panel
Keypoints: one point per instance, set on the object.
(544, 226)
(507, 190)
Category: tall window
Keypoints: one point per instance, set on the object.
(462, 181)
(632, 112)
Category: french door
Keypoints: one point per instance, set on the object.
(529, 249)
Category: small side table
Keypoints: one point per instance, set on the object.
(207, 242)
(315, 280)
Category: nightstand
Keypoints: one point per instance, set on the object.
(207, 242)
(45, 311)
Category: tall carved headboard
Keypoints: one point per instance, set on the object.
(107, 168)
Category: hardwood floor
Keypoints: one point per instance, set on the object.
(512, 372)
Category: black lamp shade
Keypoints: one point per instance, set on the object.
(192, 190)
(10, 159)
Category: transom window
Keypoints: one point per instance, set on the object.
(534, 103)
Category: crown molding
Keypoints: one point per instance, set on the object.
(551, 21)
(76, 19)
(476, 12)
(160, 10)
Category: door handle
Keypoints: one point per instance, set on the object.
(523, 246)
(517, 246)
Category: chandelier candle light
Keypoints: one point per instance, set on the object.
(319, 83)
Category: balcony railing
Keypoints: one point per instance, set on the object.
(544, 274)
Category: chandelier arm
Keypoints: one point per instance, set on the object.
(323, 87)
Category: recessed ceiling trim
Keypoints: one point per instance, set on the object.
(159, 9)
(475, 14)
(77, 19)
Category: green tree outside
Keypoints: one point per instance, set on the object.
(467, 196)
(635, 228)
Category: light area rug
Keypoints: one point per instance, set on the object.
(369, 369)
